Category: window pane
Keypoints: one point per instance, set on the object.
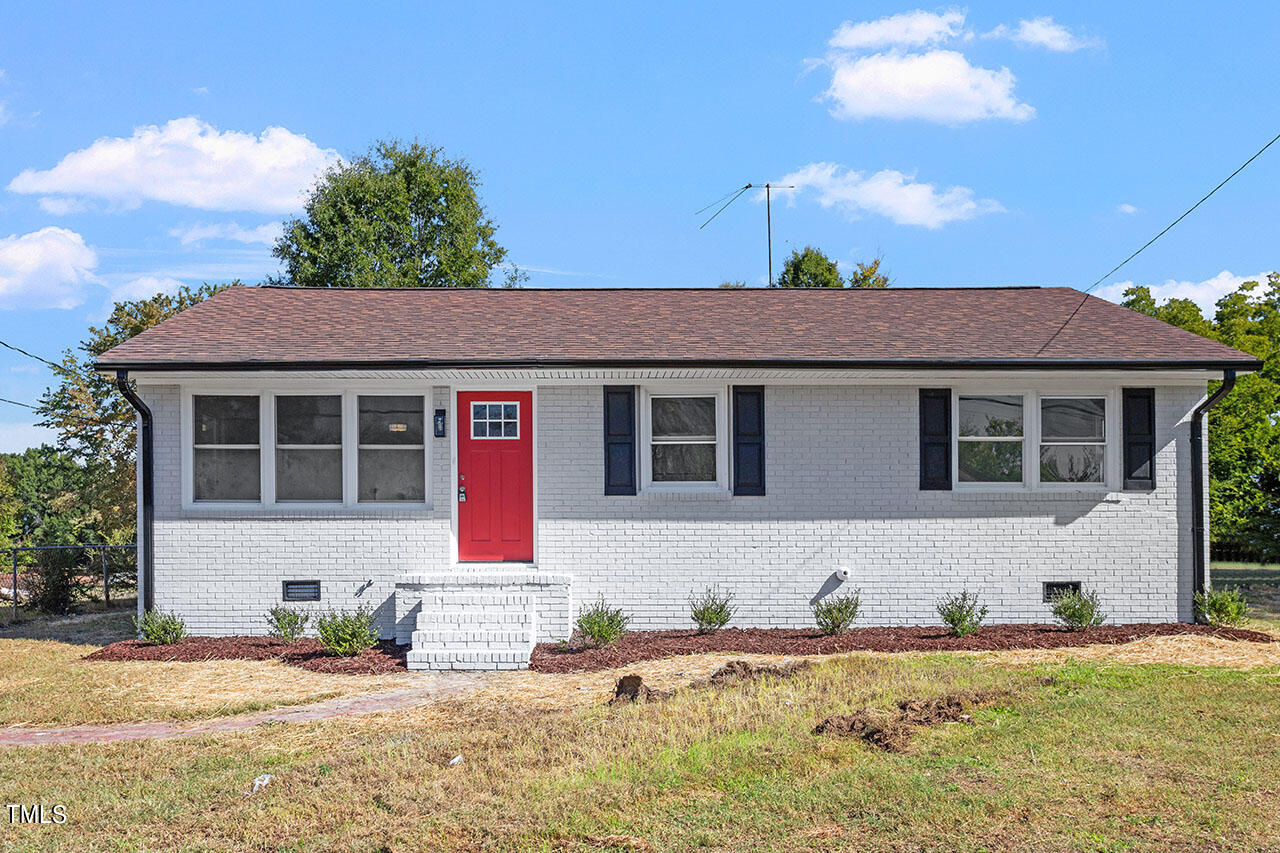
(990, 461)
(1081, 420)
(684, 417)
(479, 429)
(309, 420)
(225, 475)
(308, 475)
(390, 420)
(991, 417)
(392, 475)
(226, 419)
(509, 429)
(1071, 463)
(509, 411)
(684, 463)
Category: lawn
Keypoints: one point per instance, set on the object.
(1076, 754)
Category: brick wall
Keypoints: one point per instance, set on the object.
(842, 492)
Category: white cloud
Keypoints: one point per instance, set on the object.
(191, 163)
(939, 86)
(1204, 293)
(198, 233)
(905, 29)
(1043, 32)
(16, 436)
(45, 269)
(142, 287)
(61, 206)
(201, 90)
(1126, 209)
(888, 193)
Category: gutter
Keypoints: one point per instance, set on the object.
(784, 363)
(146, 466)
(1199, 575)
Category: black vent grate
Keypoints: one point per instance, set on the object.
(1053, 589)
(301, 591)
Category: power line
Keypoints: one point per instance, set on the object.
(72, 417)
(1165, 230)
(21, 351)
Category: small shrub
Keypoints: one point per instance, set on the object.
(1222, 607)
(286, 624)
(1078, 610)
(159, 628)
(347, 633)
(835, 613)
(962, 613)
(601, 625)
(711, 611)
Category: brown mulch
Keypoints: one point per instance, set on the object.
(653, 645)
(891, 731)
(386, 657)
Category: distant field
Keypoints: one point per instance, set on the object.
(1260, 583)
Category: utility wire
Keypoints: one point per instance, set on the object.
(1164, 231)
(72, 417)
(21, 351)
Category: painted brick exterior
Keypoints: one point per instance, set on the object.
(842, 472)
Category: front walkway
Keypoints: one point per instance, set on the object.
(434, 688)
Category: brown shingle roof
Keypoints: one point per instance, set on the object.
(259, 327)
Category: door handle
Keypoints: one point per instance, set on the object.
(462, 494)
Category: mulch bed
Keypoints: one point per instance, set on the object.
(654, 645)
(386, 657)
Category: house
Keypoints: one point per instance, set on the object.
(476, 464)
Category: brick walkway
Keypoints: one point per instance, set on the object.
(434, 688)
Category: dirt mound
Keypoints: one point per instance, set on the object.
(891, 730)
(631, 689)
(639, 646)
(740, 670)
(386, 657)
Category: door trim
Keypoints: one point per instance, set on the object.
(453, 458)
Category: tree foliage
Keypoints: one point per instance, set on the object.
(46, 485)
(810, 267)
(401, 215)
(96, 427)
(9, 507)
(1244, 428)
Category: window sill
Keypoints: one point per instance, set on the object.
(316, 510)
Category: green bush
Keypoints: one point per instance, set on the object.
(835, 613)
(962, 613)
(1078, 610)
(1222, 607)
(600, 624)
(286, 624)
(711, 611)
(159, 628)
(347, 633)
(57, 580)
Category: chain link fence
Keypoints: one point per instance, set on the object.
(54, 578)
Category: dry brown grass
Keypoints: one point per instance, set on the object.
(1178, 650)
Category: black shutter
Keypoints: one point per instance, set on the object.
(935, 439)
(1139, 438)
(619, 440)
(748, 440)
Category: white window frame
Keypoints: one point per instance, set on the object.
(471, 423)
(721, 395)
(1031, 437)
(267, 394)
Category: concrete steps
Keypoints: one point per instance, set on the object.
(473, 630)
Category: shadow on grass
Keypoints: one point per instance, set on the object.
(96, 627)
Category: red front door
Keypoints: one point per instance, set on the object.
(495, 475)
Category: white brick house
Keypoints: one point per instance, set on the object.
(477, 464)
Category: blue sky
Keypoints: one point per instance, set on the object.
(146, 145)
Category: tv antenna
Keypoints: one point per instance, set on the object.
(733, 195)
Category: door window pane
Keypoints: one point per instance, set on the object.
(391, 420)
(495, 420)
(392, 475)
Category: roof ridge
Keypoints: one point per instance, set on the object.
(664, 289)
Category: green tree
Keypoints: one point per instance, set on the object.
(398, 216)
(809, 267)
(9, 507)
(1244, 428)
(869, 275)
(96, 425)
(47, 488)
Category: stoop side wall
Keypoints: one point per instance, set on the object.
(842, 474)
